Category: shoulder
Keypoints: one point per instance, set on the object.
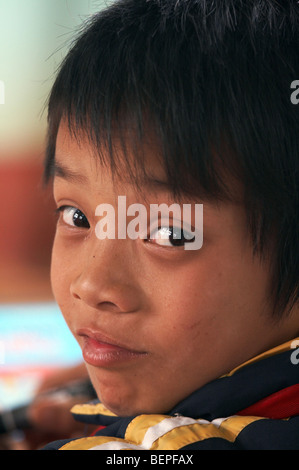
(158, 432)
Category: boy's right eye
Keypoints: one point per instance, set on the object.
(73, 217)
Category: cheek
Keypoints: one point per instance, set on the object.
(190, 305)
(197, 289)
(62, 265)
(210, 297)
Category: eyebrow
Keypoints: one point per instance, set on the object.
(149, 183)
(61, 171)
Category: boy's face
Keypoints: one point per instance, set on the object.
(155, 321)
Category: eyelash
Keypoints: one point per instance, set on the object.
(177, 241)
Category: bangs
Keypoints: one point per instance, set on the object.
(123, 98)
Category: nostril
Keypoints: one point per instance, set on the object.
(102, 294)
(109, 306)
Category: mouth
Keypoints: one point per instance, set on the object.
(100, 351)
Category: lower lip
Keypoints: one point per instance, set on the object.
(100, 354)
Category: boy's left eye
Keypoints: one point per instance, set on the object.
(73, 217)
(171, 236)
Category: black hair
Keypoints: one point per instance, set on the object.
(212, 81)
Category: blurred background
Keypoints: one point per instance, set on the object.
(34, 37)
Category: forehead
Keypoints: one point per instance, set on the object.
(137, 166)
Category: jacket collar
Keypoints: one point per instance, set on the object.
(256, 379)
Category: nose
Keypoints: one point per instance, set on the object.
(106, 281)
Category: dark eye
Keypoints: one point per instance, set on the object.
(74, 217)
(170, 236)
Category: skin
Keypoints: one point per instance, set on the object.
(192, 315)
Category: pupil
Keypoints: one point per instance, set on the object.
(178, 239)
(80, 220)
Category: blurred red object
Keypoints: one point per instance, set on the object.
(27, 222)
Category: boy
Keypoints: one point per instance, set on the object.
(181, 102)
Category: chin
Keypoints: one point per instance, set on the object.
(120, 407)
(124, 406)
(120, 402)
(124, 398)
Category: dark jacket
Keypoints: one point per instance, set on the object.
(255, 406)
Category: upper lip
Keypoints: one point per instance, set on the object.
(103, 338)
